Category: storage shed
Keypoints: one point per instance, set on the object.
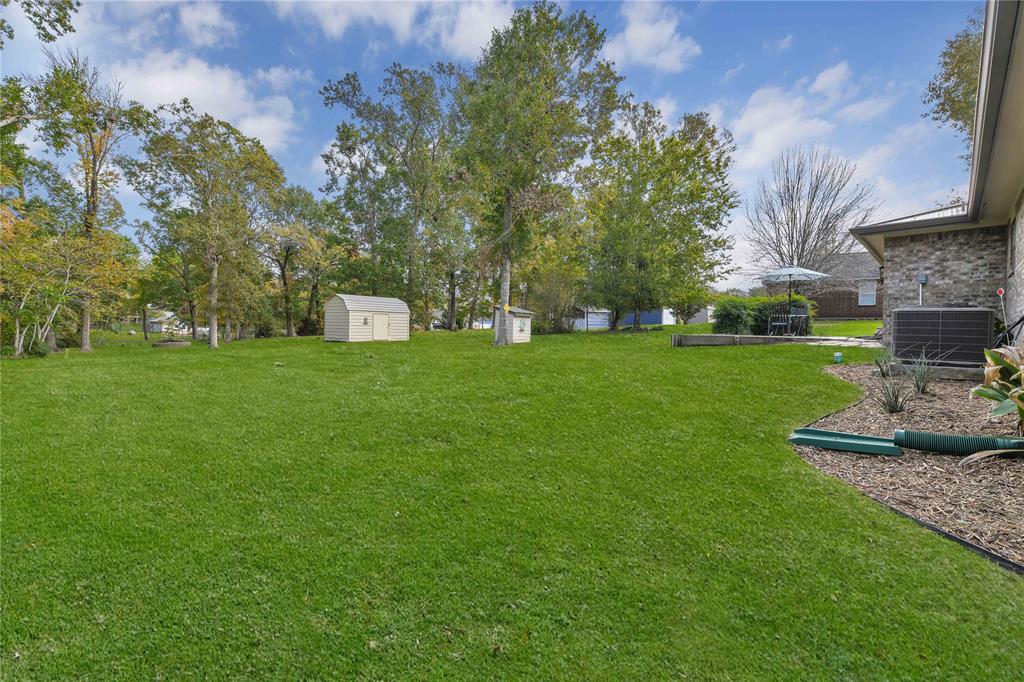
(365, 318)
(520, 321)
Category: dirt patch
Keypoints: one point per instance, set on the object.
(982, 503)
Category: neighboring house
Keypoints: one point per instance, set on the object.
(159, 321)
(959, 256)
(662, 316)
(852, 290)
(592, 318)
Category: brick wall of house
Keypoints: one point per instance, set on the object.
(1015, 265)
(964, 268)
(844, 304)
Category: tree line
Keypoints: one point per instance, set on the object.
(529, 179)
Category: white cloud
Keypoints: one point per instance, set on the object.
(463, 29)
(163, 77)
(866, 109)
(335, 18)
(650, 39)
(283, 77)
(731, 73)
(771, 120)
(780, 45)
(205, 25)
(831, 81)
(668, 107)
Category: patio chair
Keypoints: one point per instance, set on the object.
(778, 319)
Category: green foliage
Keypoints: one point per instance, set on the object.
(37, 350)
(891, 393)
(952, 93)
(751, 313)
(732, 316)
(657, 206)
(884, 363)
(50, 18)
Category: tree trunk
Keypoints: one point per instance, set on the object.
(636, 316)
(313, 308)
(51, 340)
(212, 312)
(289, 327)
(452, 306)
(227, 329)
(86, 346)
(613, 320)
(192, 316)
(501, 319)
(145, 326)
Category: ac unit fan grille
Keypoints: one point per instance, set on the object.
(947, 335)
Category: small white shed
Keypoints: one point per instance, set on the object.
(520, 321)
(365, 318)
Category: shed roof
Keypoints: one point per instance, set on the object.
(373, 304)
(519, 311)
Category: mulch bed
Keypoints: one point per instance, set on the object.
(982, 503)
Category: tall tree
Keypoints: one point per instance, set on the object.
(539, 95)
(292, 216)
(222, 177)
(952, 94)
(802, 213)
(92, 119)
(167, 242)
(51, 18)
(369, 193)
(413, 125)
(659, 203)
(329, 245)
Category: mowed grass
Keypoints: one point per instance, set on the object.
(590, 506)
(846, 327)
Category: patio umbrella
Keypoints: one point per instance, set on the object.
(793, 273)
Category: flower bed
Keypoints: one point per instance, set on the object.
(982, 503)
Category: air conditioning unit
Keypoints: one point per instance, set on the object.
(955, 336)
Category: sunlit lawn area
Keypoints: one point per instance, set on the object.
(587, 506)
(846, 327)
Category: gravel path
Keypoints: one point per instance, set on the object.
(982, 502)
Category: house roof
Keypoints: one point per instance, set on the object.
(997, 166)
(855, 265)
(373, 304)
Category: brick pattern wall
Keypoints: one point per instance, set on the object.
(964, 268)
(843, 304)
(1015, 265)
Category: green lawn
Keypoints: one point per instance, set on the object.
(846, 327)
(595, 506)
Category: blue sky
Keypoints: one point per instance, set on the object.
(845, 75)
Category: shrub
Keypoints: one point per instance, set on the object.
(922, 370)
(884, 363)
(891, 394)
(732, 316)
(37, 350)
(309, 326)
(749, 314)
(263, 329)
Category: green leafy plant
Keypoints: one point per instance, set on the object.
(884, 362)
(1003, 382)
(923, 369)
(892, 394)
(732, 316)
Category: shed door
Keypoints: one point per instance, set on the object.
(380, 327)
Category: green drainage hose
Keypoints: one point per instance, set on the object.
(948, 444)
